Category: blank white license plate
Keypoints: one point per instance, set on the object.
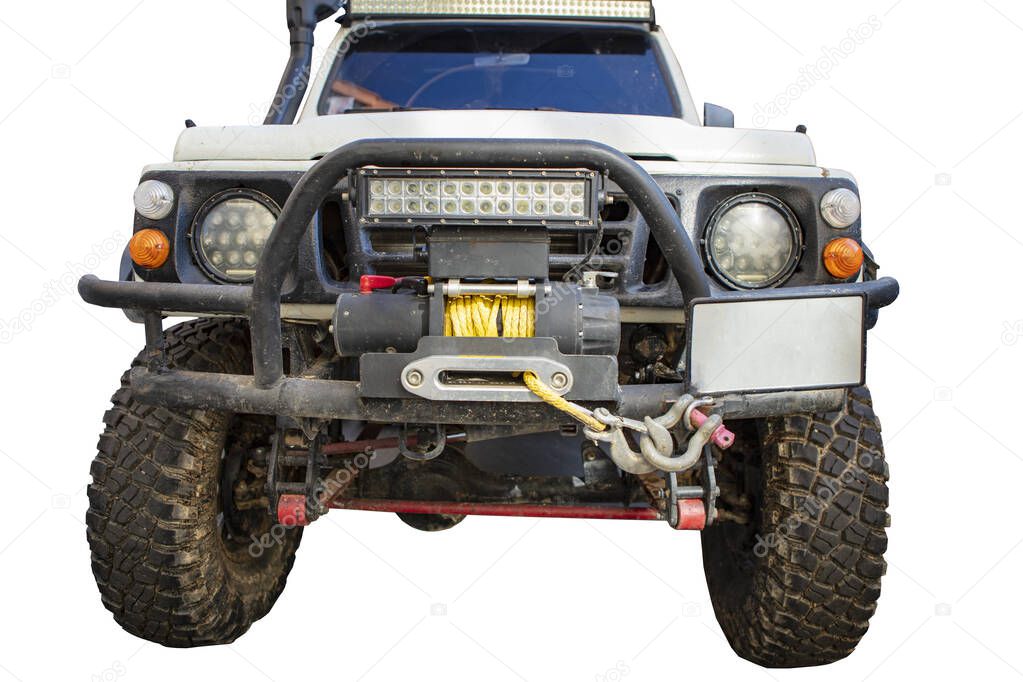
(759, 346)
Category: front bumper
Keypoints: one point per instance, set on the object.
(322, 399)
(269, 391)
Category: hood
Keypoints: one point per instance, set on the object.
(642, 137)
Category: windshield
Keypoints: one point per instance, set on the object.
(580, 68)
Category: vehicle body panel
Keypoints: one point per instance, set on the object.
(646, 137)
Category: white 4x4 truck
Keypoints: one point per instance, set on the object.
(498, 267)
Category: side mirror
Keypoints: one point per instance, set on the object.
(718, 117)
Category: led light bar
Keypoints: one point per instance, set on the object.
(610, 10)
(473, 196)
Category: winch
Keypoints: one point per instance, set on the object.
(392, 315)
(485, 314)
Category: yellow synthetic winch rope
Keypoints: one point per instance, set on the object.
(478, 316)
(519, 318)
(547, 394)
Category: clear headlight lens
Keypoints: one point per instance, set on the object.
(460, 196)
(154, 199)
(841, 208)
(230, 233)
(753, 242)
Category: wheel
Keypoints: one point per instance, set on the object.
(431, 523)
(796, 585)
(433, 480)
(184, 550)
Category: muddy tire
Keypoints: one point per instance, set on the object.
(431, 523)
(797, 585)
(435, 480)
(175, 505)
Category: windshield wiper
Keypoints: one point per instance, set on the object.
(378, 110)
(551, 109)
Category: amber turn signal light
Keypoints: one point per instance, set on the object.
(149, 248)
(843, 258)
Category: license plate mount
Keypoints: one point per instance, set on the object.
(776, 344)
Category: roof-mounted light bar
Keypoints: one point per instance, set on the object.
(604, 10)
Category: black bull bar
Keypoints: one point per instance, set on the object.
(269, 391)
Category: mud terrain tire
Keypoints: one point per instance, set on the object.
(165, 565)
(798, 585)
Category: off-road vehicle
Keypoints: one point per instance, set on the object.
(496, 266)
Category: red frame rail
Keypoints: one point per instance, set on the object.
(514, 510)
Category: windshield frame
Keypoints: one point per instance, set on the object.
(331, 63)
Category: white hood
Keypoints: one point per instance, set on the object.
(639, 136)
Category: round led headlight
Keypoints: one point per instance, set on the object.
(154, 199)
(841, 208)
(753, 241)
(230, 232)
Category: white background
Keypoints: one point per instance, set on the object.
(926, 113)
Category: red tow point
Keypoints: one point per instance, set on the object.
(291, 511)
(692, 515)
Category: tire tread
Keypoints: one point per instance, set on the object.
(157, 557)
(815, 588)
